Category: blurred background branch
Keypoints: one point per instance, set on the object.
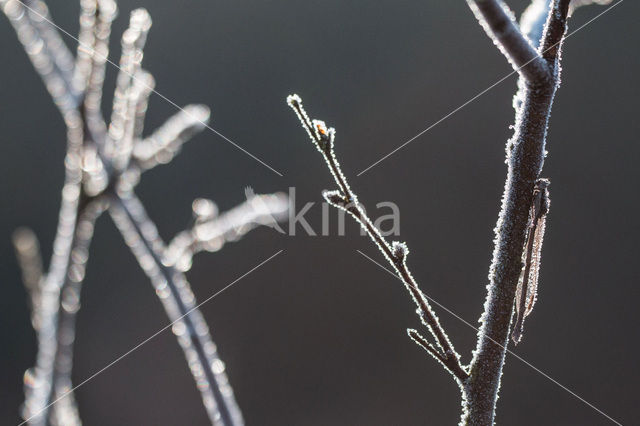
(101, 175)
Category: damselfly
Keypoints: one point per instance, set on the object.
(527, 290)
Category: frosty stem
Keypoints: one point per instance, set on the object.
(540, 76)
(65, 411)
(102, 169)
(141, 235)
(525, 158)
(395, 253)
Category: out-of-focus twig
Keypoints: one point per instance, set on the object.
(103, 166)
(30, 261)
(211, 231)
(48, 53)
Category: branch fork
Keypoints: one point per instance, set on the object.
(103, 165)
(535, 55)
(395, 252)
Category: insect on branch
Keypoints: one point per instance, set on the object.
(527, 291)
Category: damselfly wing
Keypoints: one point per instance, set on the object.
(527, 290)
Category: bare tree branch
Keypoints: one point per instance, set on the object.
(145, 87)
(38, 381)
(120, 144)
(435, 353)
(553, 35)
(96, 17)
(48, 53)
(525, 157)
(175, 293)
(500, 25)
(98, 176)
(211, 231)
(395, 253)
(164, 143)
(95, 27)
(65, 411)
(539, 69)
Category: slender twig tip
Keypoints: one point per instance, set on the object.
(294, 100)
(145, 81)
(24, 239)
(335, 198)
(29, 258)
(108, 9)
(140, 19)
(204, 209)
(200, 113)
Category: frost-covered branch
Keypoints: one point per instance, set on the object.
(93, 49)
(65, 411)
(178, 300)
(128, 92)
(396, 252)
(164, 143)
(102, 171)
(499, 23)
(164, 267)
(211, 231)
(29, 258)
(146, 85)
(39, 380)
(48, 53)
(537, 61)
(525, 157)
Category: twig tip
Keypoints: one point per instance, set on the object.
(108, 9)
(23, 239)
(335, 198)
(140, 19)
(294, 100)
(204, 209)
(200, 113)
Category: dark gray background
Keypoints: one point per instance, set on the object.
(317, 336)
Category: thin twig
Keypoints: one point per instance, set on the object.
(93, 49)
(175, 293)
(211, 231)
(95, 27)
(27, 249)
(395, 253)
(39, 381)
(48, 53)
(65, 412)
(165, 142)
(119, 143)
